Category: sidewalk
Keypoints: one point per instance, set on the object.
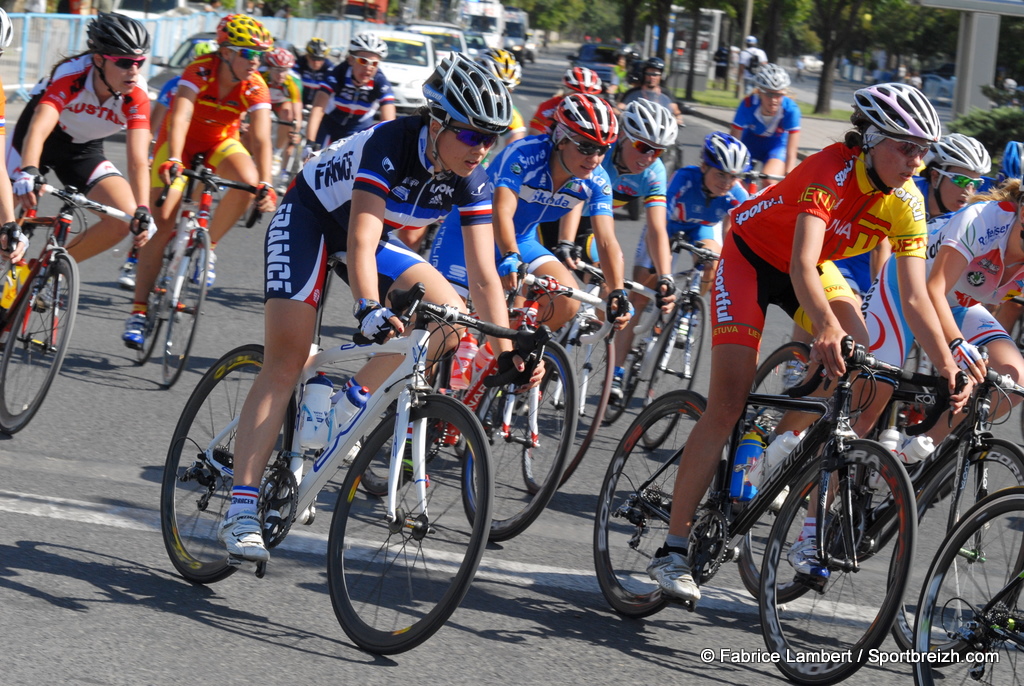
(815, 133)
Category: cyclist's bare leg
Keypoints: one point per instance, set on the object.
(624, 338)
(1007, 314)
(107, 232)
(413, 238)
(152, 253)
(773, 167)
(557, 311)
(233, 203)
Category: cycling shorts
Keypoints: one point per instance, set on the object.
(764, 148)
(214, 156)
(692, 233)
(302, 235)
(738, 315)
(81, 165)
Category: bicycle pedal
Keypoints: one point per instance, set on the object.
(815, 582)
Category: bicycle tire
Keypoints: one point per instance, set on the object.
(156, 314)
(933, 505)
(514, 462)
(194, 497)
(184, 307)
(390, 591)
(38, 333)
(594, 374)
(978, 559)
(630, 381)
(628, 527)
(857, 621)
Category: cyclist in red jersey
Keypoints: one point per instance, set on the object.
(839, 202)
(214, 93)
(9, 229)
(87, 98)
(576, 79)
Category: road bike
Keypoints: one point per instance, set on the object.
(36, 325)
(177, 297)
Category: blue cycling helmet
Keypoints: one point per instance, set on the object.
(724, 152)
(1011, 165)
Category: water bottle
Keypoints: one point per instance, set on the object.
(750, 449)
(178, 244)
(890, 438)
(12, 282)
(462, 365)
(916, 449)
(313, 415)
(482, 361)
(776, 452)
(346, 405)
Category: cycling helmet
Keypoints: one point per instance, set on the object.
(1011, 164)
(899, 110)
(958, 150)
(318, 48)
(654, 63)
(503, 64)
(586, 115)
(465, 91)
(282, 58)
(204, 47)
(771, 77)
(583, 80)
(242, 31)
(6, 30)
(724, 152)
(368, 42)
(651, 123)
(116, 34)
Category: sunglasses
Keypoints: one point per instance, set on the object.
(473, 138)
(247, 53)
(961, 180)
(122, 62)
(909, 149)
(365, 61)
(587, 149)
(645, 148)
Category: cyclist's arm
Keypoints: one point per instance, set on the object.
(181, 118)
(260, 129)
(608, 250)
(505, 203)
(316, 114)
(657, 239)
(792, 145)
(138, 164)
(803, 269)
(366, 226)
(387, 112)
(569, 224)
(44, 119)
(156, 118)
(484, 282)
(879, 256)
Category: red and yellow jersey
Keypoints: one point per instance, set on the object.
(216, 119)
(833, 185)
(3, 111)
(544, 116)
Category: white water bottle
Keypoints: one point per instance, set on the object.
(916, 449)
(316, 407)
(774, 455)
(890, 438)
(178, 244)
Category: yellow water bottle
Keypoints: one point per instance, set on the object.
(13, 278)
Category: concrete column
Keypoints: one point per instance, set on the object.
(975, 60)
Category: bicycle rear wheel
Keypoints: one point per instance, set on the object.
(971, 600)
(194, 495)
(635, 501)
(518, 457)
(37, 337)
(184, 304)
(828, 634)
(394, 585)
(678, 350)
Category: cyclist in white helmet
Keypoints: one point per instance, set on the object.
(768, 122)
(954, 170)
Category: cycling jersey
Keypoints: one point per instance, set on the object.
(545, 114)
(289, 90)
(980, 233)
(648, 183)
(168, 92)
(389, 161)
(765, 137)
(352, 107)
(312, 79)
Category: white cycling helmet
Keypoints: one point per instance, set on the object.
(958, 150)
(651, 123)
(469, 93)
(368, 41)
(771, 77)
(6, 30)
(898, 109)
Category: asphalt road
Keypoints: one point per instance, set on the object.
(87, 594)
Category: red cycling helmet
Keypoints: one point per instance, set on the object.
(281, 58)
(588, 116)
(583, 80)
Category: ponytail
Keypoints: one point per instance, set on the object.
(1009, 191)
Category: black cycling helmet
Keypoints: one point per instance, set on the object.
(654, 63)
(116, 34)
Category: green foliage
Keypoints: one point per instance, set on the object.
(993, 128)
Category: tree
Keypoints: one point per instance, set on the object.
(831, 20)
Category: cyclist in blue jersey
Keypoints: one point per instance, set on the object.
(543, 178)
(313, 69)
(768, 122)
(353, 93)
(953, 172)
(350, 200)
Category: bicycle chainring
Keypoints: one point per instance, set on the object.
(278, 503)
(708, 544)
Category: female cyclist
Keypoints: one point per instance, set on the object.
(286, 103)
(953, 170)
(768, 122)
(576, 80)
(9, 227)
(840, 201)
(352, 94)
(87, 98)
(503, 65)
(313, 68)
(214, 93)
(398, 170)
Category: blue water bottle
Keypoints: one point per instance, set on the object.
(751, 449)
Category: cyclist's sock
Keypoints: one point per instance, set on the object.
(213, 245)
(672, 541)
(140, 307)
(809, 530)
(620, 372)
(243, 499)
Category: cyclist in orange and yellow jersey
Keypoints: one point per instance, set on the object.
(214, 93)
(838, 203)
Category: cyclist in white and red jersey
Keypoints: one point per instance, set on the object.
(86, 99)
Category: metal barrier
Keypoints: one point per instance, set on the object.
(42, 40)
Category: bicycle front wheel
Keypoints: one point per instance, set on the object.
(971, 600)
(635, 501)
(594, 373)
(828, 633)
(679, 348)
(184, 305)
(393, 585)
(156, 314)
(37, 336)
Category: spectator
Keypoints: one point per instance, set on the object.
(650, 89)
(751, 59)
(800, 68)
(722, 66)
(37, 6)
(915, 80)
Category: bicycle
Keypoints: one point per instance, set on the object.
(861, 519)
(666, 350)
(397, 565)
(177, 297)
(36, 327)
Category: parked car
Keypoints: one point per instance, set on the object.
(179, 59)
(936, 87)
(447, 38)
(946, 71)
(409, 62)
(812, 64)
(475, 43)
(600, 58)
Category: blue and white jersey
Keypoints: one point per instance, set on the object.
(689, 207)
(312, 79)
(395, 167)
(353, 107)
(168, 92)
(649, 184)
(524, 167)
(753, 122)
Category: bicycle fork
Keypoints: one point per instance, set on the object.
(414, 434)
